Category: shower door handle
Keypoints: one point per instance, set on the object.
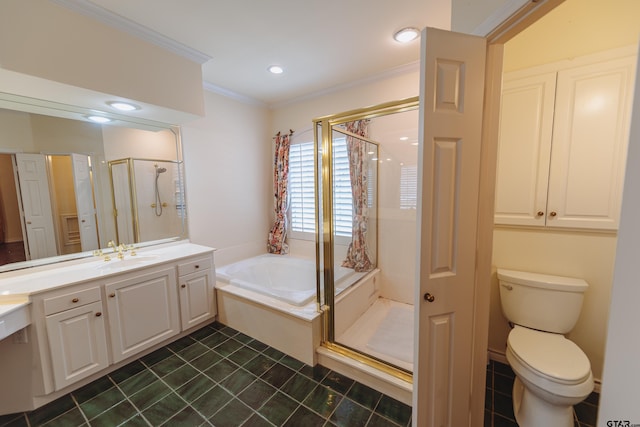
(429, 298)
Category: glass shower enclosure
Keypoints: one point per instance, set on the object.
(148, 199)
(366, 189)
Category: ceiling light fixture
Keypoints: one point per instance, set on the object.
(275, 69)
(99, 119)
(406, 35)
(123, 106)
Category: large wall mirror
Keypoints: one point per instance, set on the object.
(69, 186)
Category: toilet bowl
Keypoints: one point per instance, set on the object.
(552, 375)
(552, 372)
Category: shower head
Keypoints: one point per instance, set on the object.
(160, 170)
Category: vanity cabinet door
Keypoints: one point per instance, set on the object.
(78, 343)
(197, 299)
(143, 311)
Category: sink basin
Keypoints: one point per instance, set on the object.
(127, 262)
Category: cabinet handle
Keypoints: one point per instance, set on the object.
(553, 214)
(540, 213)
(75, 300)
(98, 314)
(183, 286)
(113, 295)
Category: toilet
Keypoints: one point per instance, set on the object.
(552, 372)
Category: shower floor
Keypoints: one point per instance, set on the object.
(384, 331)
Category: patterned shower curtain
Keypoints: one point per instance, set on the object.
(357, 254)
(278, 233)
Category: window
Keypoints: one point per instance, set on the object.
(301, 189)
(342, 196)
(408, 187)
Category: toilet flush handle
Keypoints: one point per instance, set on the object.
(507, 286)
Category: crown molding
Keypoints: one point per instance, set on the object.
(91, 10)
(231, 94)
(396, 71)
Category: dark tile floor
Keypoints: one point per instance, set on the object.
(499, 405)
(218, 376)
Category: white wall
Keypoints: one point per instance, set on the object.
(228, 178)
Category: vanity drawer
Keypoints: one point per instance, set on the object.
(71, 300)
(194, 266)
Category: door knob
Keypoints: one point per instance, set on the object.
(429, 298)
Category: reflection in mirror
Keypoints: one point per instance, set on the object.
(58, 196)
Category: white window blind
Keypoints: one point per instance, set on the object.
(301, 189)
(342, 196)
(408, 187)
(301, 193)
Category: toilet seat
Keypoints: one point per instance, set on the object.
(549, 355)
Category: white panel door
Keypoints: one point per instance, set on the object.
(36, 204)
(84, 202)
(143, 311)
(524, 149)
(78, 343)
(591, 131)
(451, 102)
(197, 301)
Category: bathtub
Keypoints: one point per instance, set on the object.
(286, 278)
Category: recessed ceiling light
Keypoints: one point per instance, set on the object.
(275, 69)
(123, 106)
(99, 119)
(406, 35)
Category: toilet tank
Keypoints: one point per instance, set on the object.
(540, 301)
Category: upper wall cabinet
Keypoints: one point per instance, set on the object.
(563, 142)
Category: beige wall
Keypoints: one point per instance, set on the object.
(121, 142)
(42, 39)
(568, 31)
(228, 178)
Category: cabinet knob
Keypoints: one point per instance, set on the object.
(197, 266)
(540, 213)
(113, 295)
(183, 286)
(429, 298)
(75, 300)
(553, 214)
(98, 314)
(29, 222)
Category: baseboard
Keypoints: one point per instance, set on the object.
(499, 356)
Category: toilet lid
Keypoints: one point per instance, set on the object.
(551, 355)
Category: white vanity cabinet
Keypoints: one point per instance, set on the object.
(88, 317)
(76, 334)
(563, 140)
(197, 298)
(143, 310)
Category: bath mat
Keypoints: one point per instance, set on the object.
(394, 336)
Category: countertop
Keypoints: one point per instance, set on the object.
(16, 287)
